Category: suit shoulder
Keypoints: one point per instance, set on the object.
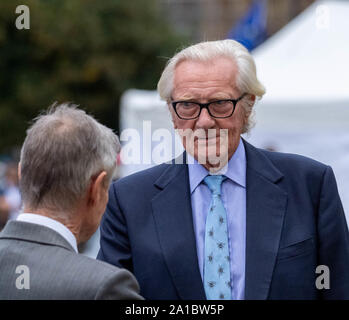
(292, 161)
(142, 177)
(58, 273)
(91, 275)
(108, 281)
(81, 268)
(96, 266)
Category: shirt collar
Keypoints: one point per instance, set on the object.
(52, 224)
(236, 170)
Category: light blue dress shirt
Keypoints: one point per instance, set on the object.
(234, 201)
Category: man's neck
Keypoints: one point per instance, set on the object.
(65, 219)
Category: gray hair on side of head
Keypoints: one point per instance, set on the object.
(64, 149)
(246, 79)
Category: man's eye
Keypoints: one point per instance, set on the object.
(219, 102)
(187, 104)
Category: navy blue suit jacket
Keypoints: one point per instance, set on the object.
(294, 222)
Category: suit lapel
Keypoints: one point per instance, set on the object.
(266, 205)
(173, 219)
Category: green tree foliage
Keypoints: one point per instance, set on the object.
(85, 51)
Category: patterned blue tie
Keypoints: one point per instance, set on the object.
(217, 282)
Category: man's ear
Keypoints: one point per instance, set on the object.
(252, 100)
(246, 115)
(97, 187)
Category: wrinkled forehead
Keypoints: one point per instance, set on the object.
(215, 74)
(219, 68)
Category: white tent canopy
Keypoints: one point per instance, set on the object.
(307, 60)
(305, 70)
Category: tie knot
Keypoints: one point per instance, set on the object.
(214, 183)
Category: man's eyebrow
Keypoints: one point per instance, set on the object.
(223, 96)
(185, 97)
(213, 98)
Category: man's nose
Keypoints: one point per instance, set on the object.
(205, 121)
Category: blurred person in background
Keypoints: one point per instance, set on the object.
(256, 225)
(3, 210)
(10, 197)
(66, 165)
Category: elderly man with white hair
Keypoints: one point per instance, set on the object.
(67, 163)
(226, 220)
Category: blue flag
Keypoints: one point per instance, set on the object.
(251, 29)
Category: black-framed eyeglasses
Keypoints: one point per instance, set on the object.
(189, 110)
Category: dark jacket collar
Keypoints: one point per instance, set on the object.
(266, 205)
(256, 161)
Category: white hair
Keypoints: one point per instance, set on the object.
(246, 79)
(63, 150)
